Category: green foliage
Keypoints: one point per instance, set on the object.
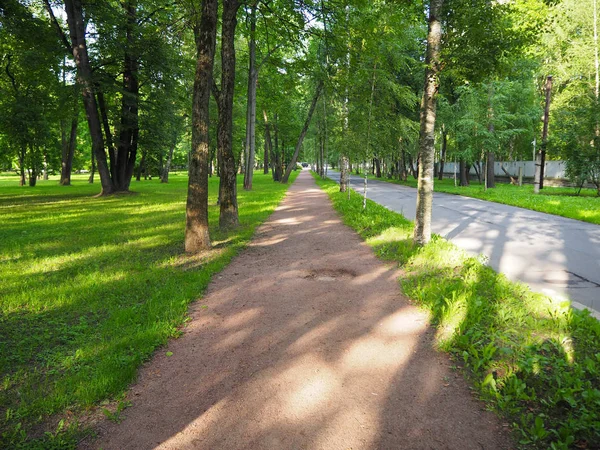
(92, 286)
(536, 361)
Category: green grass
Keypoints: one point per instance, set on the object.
(534, 360)
(91, 287)
(552, 200)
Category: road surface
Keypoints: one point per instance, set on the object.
(554, 255)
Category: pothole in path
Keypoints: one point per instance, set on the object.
(329, 274)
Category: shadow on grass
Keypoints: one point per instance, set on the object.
(91, 286)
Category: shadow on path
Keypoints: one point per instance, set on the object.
(303, 341)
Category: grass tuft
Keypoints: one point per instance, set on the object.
(534, 360)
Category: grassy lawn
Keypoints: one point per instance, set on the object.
(552, 200)
(91, 287)
(535, 361)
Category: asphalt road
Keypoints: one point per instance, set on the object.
(554, 255)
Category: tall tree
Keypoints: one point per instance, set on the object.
(292, 164)
(74, 10)
(197, 236)
(228, 216)
(422, 233)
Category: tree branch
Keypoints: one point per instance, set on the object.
(10, 75)
(61, 34)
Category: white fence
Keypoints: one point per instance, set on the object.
(553, 169)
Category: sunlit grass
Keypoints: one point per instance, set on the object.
(533, 359)
(91, 286)
(552, 200)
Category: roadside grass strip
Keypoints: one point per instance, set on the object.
(560, 201)
(532, 359)
(91, 287)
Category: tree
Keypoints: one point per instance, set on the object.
(205, 31)
(228, 216)
(422, 233)
(311, 110)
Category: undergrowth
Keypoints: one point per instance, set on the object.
(534, 360)
(91, 287)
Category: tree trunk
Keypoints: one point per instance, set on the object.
(268, 144)
(278, 172)
(464, 173)
(141, 168)
(67, 161)
(490, 178)
(251, 108)
(443, 153)
(266, 162)
(129, 129)
(377, 168)
(76, 23)
(512, 179)
(344, 173)
(33, 175)
(292, 163)
(22, 178)
(108, 137)
(540, 157)
(92, 169)
(228, 206)
(422, 233)
(164, 178)
(205, 32)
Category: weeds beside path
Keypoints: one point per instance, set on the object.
(534, 360)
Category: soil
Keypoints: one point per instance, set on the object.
(304, 341)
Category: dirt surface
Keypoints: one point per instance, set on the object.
(303, 342)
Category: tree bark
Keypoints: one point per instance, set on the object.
(164, 178)
(228, 212)
(344, 173)
(205, 32)
(292, 163)
(422, 233)
(74, 13)
(540, 157)
(141, 168)
(464, 173)
(68, 147)
(22, 178)
(443, 153)
(251, 106)
(490, 178)
(129, 129)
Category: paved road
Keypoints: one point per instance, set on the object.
(554, 255)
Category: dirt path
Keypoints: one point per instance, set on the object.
(303, 342)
